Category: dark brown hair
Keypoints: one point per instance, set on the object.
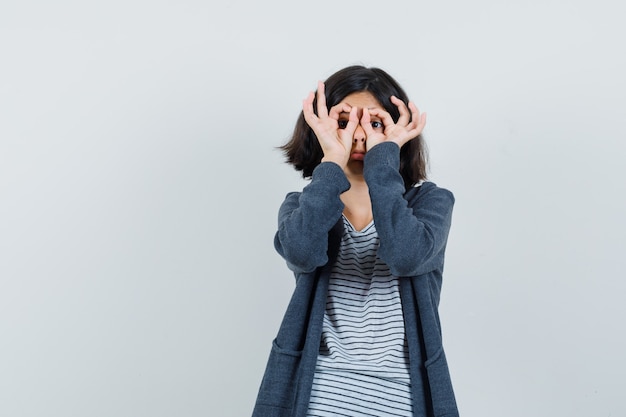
(303, 150)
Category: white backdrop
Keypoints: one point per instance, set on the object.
(139, 185)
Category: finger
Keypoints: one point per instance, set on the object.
(366, 123)
(348, 133)
(353, 122)
(383, 116)
(405, 117)
(307, 110)
(337, 110)
(418, 121)
(322, 110)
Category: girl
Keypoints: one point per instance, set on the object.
(366, 241)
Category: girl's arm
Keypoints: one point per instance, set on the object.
(305, 218)
(413, 234)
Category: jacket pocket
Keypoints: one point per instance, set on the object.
(443, 401)
(278, 387)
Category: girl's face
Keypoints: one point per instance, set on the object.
(360, 100)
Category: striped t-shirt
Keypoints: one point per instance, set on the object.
(362, 367)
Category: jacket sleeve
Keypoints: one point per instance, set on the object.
(305, 218)
(413, 233)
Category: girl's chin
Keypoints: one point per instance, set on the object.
(354, 167)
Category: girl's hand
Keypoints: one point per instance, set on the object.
(336, 142)
(408, 126)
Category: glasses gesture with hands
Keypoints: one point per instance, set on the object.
(336, 142)
(409, 125)
(336, 135)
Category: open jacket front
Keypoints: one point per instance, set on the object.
(413, 228)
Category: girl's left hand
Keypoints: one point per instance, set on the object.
(408, 126)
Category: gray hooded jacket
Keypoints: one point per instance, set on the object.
(413, 229)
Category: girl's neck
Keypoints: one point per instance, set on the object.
(357, 203)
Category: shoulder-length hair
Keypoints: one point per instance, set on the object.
(303, 150)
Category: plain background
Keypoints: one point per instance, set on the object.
(139, 186)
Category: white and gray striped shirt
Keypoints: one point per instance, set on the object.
(362, 368)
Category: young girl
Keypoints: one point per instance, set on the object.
(366, 241)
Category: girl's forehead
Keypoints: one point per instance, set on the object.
(362, 99)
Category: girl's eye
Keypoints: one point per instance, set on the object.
(377, 125)
(342, 124)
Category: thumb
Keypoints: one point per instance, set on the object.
(366, 123)
(348, 132)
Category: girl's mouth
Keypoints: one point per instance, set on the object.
(357, 156)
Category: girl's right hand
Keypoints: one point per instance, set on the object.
(335, 140)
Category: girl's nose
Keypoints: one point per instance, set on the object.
(359, 136)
